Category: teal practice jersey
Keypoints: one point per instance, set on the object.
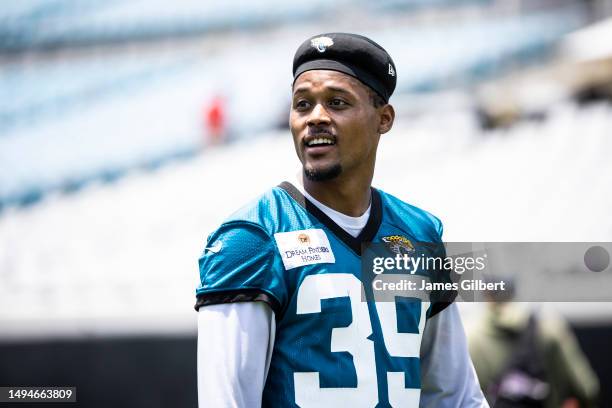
(331, 347)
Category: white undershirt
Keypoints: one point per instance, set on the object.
(352, 225)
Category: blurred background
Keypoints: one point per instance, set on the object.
(130, 129)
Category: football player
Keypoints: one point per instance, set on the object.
(281, 318)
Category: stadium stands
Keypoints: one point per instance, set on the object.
(135, 243)
(51, 105)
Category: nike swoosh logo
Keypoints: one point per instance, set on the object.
(215, 248)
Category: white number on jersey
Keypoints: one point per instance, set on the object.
(354, 339)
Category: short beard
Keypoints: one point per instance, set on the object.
(323, 175)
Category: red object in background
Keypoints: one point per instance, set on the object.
(214, 115)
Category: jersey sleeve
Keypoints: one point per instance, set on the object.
(240, 264)
(440, 299)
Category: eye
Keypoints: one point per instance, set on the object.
(337, 102)
(301, 105)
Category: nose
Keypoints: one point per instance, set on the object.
(318, 116)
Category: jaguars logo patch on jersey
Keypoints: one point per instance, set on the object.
(398, 244)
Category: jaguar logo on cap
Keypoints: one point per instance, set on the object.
(321, 43)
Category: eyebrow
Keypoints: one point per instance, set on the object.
(339, 90)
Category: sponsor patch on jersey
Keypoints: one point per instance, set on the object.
(304, 247)
(398, 244)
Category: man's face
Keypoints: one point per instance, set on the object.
(335, 125)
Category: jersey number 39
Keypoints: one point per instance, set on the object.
(354, 340)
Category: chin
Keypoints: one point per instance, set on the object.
(322, 173)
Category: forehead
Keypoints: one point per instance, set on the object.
(320, 79)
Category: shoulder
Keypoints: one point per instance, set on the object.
(240, 261)
(419, 221)
(552, 327)
(264, 213)
(250, 227)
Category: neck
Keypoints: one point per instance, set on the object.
(350, 197)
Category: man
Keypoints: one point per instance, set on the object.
(511, 344)
(281, 319)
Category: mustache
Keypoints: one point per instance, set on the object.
(320, 130)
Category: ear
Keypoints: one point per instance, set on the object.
(387, 116)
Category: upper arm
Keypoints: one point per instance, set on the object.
(235, 344)
(240, 264)
(448, 378)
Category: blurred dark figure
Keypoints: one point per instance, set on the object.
(525, 358)
(529, 359)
